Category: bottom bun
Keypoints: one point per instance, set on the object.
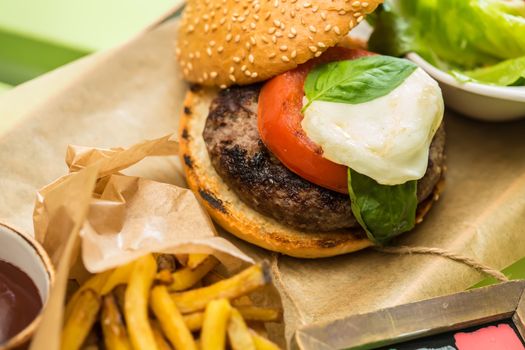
(230, 212)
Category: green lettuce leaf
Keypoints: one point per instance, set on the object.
(506, 73)
(356, 81)
(383, 211)
(459, 35)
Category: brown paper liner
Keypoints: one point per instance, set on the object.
(135, 92)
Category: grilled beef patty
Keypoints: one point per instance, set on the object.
(264, 183)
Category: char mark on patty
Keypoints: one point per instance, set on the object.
(265, 184)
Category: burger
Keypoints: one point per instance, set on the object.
(298, 141)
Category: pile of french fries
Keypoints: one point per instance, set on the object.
(161, 302)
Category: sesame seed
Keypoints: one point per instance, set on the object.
(251, 58)
(252, 40)
(232, 69)
(283, 48)
(320, 44)
(337, 30)
(356, 4)
(223, 86)
(212, 43)
(294, 54)
(364, 4)
(229, 37)
(293, 31)
(232, 77)
(213, 75)
(357, 14)
(327, 27)
(254, 75)
(237, 38)
(307, 4)
(220, 49)
(317, 54)
(236, 59)
(272, 55)
(323, 15)
(253, 25)
(359, 19)
(243, 68)
(285, 58)
(208, 51)
(313, 48)
(312, 29)
(247, 72)
(271, 30)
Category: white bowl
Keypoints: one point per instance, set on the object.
(25, 253)
(479, 101)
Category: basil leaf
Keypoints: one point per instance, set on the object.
(356, 81)
(383, 211)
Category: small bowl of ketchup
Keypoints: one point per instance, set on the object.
(26, 275)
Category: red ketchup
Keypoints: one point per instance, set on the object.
(20, 302)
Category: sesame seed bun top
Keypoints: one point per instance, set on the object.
(226, 42)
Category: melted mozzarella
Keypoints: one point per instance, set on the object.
(387, 139)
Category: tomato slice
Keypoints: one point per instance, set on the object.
(279, 123)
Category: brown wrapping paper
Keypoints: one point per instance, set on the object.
(135, 92)
(115, 219)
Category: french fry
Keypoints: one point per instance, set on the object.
(257, 313)
(170, 319)
(250, 313)
(81, 320)
(120, 295)
(261, 343)
(187, 277)
(162, 343)
(231, 288)
(194, 321)
(95, 283)
(195, 260)
(242, 301)
(115, 335)
(213, 334)
(120, 275)
(238, 333)
(212, 277)
(182, 259)
(164, 277)
(136, 303)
